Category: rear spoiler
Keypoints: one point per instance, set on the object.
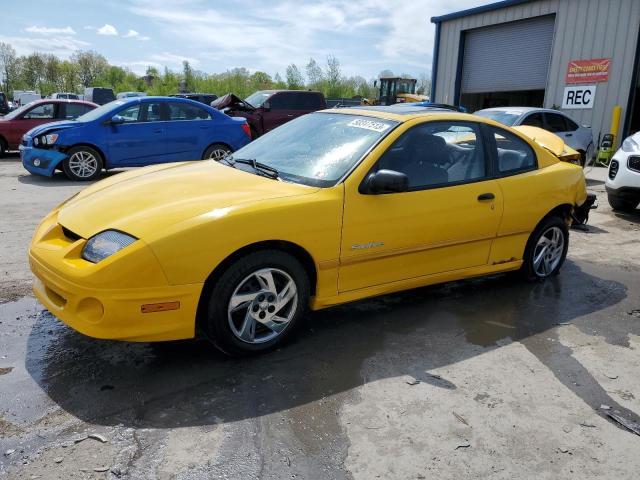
(550, 142)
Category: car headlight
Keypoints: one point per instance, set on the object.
(105, 244)
(48, 139)
(630, 145)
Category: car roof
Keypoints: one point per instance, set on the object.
(64, 100)
(522, 110)
(404, 114)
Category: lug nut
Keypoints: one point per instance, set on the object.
(271, 309)
(255, 308)
(262, 314)
(261, 298)
(272, 298)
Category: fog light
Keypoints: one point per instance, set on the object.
(36, 162)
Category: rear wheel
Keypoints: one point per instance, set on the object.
(217, 151)
(3, 147)
(622, 204)
(257, 302)
(546, 249)
(83, 164)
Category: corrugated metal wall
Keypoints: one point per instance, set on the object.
(584, 29)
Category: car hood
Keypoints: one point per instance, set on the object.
(62, 125)
(146, 202)
(231, 101)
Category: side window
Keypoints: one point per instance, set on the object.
(130, 114)
(307, 101)
(555, 122)
(514, 154)
(534, 120)
(74, 110)
(437, 154)
(282, 101)
(43, 111)
(152, 112)
(184, 111)
(571, 125)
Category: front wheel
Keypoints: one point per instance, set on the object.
(257, 302)
(546, 249)
(217, 151)
(622, 204)
(83, 164)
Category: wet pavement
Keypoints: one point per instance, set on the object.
(486, 378)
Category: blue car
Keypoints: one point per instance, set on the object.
(132, 132)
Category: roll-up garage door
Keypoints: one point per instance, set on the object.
(506, 57)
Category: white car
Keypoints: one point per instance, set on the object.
(623, 180)
(578, 137)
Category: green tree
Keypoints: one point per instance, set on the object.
(295, 80)
(333, 75)
(8, 66)
(314, 75)
(91, 66)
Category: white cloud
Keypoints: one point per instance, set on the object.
(50, 30)
(62, 46)
(173, 59)
(136, 35)
(107, 29)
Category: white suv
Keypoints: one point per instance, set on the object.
(623, 180)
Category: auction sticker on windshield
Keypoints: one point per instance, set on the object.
(369, 125)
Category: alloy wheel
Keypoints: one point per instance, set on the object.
(218, 154)
(548, 252)
(262, 305)
(83, 164)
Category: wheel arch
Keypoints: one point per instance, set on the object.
(4, 142)
(295, 250)
(564, 211)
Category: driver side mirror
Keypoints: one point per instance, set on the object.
(117, 120)
(266, 106)
(386, 181)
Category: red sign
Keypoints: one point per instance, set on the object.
(588, 71)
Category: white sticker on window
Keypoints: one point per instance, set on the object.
(369, 125)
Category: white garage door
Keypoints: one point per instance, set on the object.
(506, 57)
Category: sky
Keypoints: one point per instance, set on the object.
(367, 36)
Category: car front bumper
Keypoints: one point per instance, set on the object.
(46, 159)
(123, 298)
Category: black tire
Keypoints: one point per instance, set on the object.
(622, 204)
(211, 150)
(3, 147)
(528, 269)
(68, 169)
(583, 158)
(217, 325)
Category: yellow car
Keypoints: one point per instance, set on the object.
(332, 207)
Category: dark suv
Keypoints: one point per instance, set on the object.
(268, 109)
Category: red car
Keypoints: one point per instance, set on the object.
(15, 124)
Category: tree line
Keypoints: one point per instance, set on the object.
(47, 74)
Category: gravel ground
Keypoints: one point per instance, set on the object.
(488, 378)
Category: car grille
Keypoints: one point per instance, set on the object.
(634, 164)
(613, 169)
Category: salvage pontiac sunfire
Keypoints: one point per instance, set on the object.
(332, 207)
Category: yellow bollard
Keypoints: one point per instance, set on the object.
(615, 124)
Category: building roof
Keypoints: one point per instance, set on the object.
(481, 9)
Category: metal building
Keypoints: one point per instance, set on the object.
(579, 56)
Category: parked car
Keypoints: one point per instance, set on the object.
(332, 207)
(65, 95)
(268, 109)
(623, 179)
(131, 133)
(4, 104)
(16, 123)
(131, 94)
(99, 95)
(578, 137)
(205, 98)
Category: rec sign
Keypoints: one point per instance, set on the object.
(588, 71)
(579, 96)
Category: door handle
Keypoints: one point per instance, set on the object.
(290, 115)
(568, 134)
(486, 196)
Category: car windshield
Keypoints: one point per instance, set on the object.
(258, 98)
(98, 112)
(317, 149)
(502, 116)
(17, 111)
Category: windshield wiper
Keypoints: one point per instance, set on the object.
(261, 168)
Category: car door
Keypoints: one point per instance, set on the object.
(535, 119)
(189, 131)
(281, 109)
(39, 114)
(140, 140)
(557, 124)
(445, 221)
